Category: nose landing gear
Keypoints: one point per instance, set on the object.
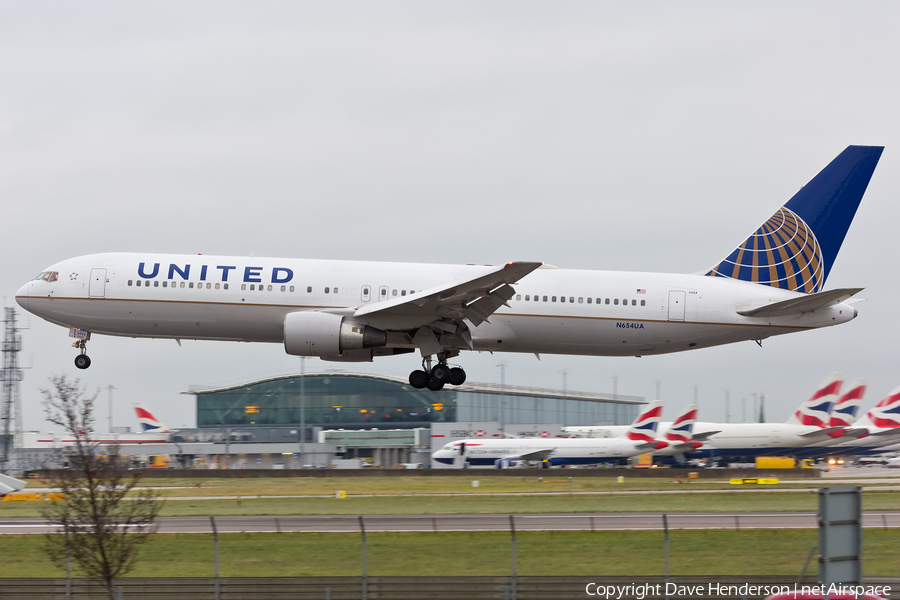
(82, 361)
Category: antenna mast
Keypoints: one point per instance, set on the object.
(11, 427)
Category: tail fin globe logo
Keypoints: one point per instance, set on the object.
(783, 253)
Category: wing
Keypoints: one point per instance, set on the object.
(801, 304)
(542, 454)
(434, 315)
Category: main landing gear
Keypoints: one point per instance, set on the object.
(82, 361)
(434, 378)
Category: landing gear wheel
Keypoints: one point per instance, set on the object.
(434, 384)
(82, 361)
(418, 379)
(441, 372)
(457, 376)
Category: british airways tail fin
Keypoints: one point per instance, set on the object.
(149, 423)
(795, 249)
(644, 427)
(682, 428)
(817, 410)
(845, 410)
(885, 414)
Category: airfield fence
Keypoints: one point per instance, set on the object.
(499, 522)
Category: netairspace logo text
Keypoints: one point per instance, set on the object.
(648, 590)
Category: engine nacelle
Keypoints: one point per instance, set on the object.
(311, 333)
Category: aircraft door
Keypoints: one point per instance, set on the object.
(676, 305)
(97, 284)
(366, 293)
(382, 293)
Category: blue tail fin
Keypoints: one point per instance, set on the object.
(794, 250)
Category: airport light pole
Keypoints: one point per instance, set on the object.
(502, 396)
(110, 388)
(302, 411)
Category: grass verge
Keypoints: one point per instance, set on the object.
(758, 552)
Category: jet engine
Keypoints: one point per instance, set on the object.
(311, 333)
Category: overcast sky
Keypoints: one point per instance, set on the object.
(650, 136)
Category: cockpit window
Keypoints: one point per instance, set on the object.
(48, 276)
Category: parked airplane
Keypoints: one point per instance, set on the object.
(640, 438)
(742, 441)
(149, 423)
(771, 284)
(875, 432)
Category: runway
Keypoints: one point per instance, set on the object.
(480, 522)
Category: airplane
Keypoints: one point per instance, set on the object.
(640, 438)
(741, 441)
(771, 284)
(808, 425)
(149, 423)
(875, 432)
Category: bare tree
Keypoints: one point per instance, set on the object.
(102, 519)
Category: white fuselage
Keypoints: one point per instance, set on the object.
(555, 311)
(564, 451)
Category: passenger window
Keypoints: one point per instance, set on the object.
(270, 288)
(572, 299)
(252, 287)
(643, 302)
(217, 286)
(581, 300)
(129, 283)
(182, 284)
(326, 290)
(291, 289)
(191, 284)
(309, 289)
(155, 284)
(589, 300)
(165, 284)
(402, 292)
(616, 301)
(243, 286)
(283, 288)
(562, 298)
(225, 285)
(527, 298)
(553, 299)
(607, 301)
(394, 293)
(634, 302)
(545, 298)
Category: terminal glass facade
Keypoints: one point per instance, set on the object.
(353, 401)
(328, 400)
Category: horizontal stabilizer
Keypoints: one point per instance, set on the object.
(704, 435)
(801, 304)
(820, 432)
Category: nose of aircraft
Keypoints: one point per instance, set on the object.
(22, 295)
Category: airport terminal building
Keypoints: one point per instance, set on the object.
(363, 401)
(380, 420)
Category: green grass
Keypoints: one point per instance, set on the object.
(724, 502)
(757, 552)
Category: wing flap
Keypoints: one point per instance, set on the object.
(801, 304)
